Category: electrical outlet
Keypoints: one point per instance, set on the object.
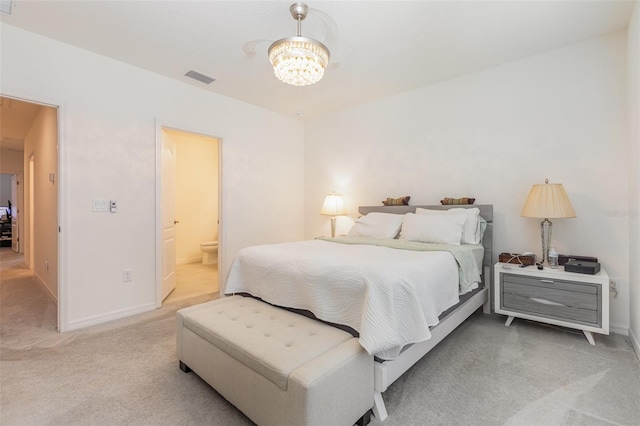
(127, 276)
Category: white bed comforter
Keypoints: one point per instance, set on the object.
(389, 296)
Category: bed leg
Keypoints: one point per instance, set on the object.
(379, 410)
(184, 367)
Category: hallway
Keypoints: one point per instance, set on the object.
(28, 316)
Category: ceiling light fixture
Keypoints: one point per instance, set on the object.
(299, 61)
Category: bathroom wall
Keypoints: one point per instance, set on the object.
(196, 200)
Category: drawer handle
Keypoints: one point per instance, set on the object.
(547, 281)
(546, 302)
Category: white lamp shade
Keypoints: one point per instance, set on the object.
(333, 206)
(548, 201)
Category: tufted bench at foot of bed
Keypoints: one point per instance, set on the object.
(277, 367)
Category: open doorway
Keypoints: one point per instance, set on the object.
(190, 205)
(29, 155)
(10, 208)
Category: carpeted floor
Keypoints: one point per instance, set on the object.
(126, 373)
(527, 374)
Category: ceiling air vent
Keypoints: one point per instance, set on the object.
(200, 77)
(5, 6)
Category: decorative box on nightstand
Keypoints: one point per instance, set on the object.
(553, 296)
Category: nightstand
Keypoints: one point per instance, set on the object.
(553, 296)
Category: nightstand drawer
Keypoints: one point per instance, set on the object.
(570, 286)
(557, 299)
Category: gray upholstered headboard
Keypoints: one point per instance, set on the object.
(486, 211)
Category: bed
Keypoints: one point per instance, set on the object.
(401, 298)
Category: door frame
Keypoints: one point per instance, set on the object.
(32, 166)
(164, 124)
(62, 207)
(20, 208)
(168, 212)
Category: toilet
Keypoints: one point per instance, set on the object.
(210, 250)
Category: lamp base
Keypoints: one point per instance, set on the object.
(333, 227)
(545, 229)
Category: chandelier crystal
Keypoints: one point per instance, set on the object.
(299, 61)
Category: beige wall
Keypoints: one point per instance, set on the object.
(11, 161)
(196, 202)
(41, 144)
(633, 76)
(491, 135)
(109, 111)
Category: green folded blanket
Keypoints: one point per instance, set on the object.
(468, 272)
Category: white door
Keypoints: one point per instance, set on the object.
(15, 223)
(168, 215)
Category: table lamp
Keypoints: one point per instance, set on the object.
(548, 200)
(333, 206)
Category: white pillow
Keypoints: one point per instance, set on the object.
(442, 229)
(471, 230)
(377, 225)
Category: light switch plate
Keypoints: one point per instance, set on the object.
(100, 205)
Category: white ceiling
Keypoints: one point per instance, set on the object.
(378, 48)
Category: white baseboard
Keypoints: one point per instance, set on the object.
(47, 290)
(635, 342)
(110, 316)
(619, 329)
